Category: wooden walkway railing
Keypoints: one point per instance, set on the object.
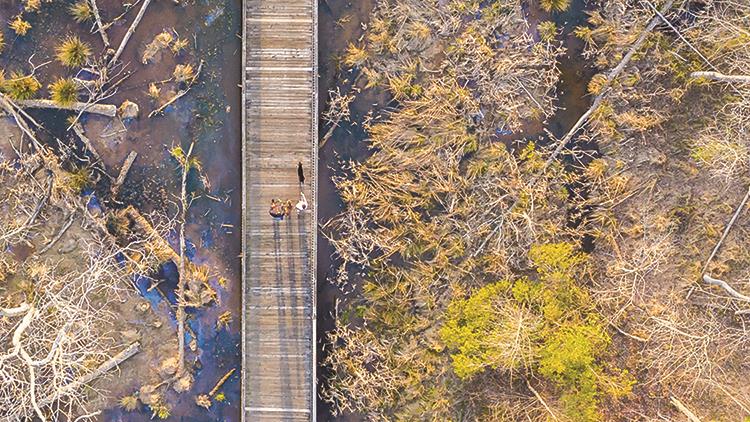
(280, 130)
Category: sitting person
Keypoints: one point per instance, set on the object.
(276, 211)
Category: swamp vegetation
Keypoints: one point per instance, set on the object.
(115, 301)
(494, 273)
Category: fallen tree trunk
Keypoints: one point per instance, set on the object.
(727, 288)
(611, 76)
(685, 411)
(716, 76)
(736, 214)
(14, 110)
(14, 312)
(123, 173)
(103, 109)
(98, 18)
(105, 367)
(78, 129)
(130, 32)
(159, 245)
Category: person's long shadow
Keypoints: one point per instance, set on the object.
(306, 284)
(284, 376)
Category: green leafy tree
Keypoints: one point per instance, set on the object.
(547, 325)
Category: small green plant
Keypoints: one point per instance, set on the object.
(64, 92)
(179, 45)
(2, 41)
(128, 403)
(20, 87)
(78, 179)
(597, 84)
(179, 154)
(355, 56)
(554, 5)
(220, 397)
(73, 52)
(183, 73)
(160, 410)
(32, 5)
(547, 31)
(81, 11)
(20, 26)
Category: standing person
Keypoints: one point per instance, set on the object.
(300, 173)
(302, 204)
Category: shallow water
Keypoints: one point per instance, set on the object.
(208, 115)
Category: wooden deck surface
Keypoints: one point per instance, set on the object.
(280, 129)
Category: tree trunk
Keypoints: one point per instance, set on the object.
(103, 109)
(716, 76)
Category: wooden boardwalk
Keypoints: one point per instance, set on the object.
(280, 129)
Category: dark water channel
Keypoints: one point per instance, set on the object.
(209, 116)
(341, 23)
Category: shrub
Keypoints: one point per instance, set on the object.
(32, 5)
(597, 84)
(555, 258)
(64, 92)
(489, 330)
(73, 52)
(179, 45)
(548, 324)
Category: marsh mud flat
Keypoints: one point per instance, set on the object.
(208, 115)
(342, 22)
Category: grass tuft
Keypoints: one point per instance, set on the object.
(64, 92)
(555, 5)
(81, 11)
(20, 87)
(73, 52)
(20, 26)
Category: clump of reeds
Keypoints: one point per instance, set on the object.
(355, 56)
(555, 5)
(179, 45)
(19, 86)
(129, 403)
(64, 92)
(73, 52)
(154, 91)
(20, 26)
(547, 31)
(183, 73)
(81, 11)
(32, 5)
